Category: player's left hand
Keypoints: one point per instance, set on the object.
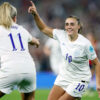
(37, 43)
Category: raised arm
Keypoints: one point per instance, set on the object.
(41, 25)
(97, 68)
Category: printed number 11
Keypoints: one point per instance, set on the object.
(13, 44)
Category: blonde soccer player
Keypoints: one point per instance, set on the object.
(17, 66)
(73, 78)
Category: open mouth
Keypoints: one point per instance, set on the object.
(69, 30)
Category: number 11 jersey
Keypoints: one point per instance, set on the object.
(14, 53)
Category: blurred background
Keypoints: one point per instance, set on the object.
(54, 13)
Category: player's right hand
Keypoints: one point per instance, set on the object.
(32, 8)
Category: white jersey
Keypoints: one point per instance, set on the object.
(56, 59)
(76, 56)
(14, 53)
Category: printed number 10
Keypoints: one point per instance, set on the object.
(13, 44)
(80, 87)
(69, 58)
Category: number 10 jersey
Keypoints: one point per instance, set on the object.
(76, 55)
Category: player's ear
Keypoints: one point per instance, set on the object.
(14, 19)
(79, 26)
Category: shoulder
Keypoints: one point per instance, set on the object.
(0, 26)
(58, 31)
(19, 27)
(3, 29)
(84, 40)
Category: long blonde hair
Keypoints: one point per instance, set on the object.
(7, 13)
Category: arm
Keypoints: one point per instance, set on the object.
(97, 68)
(41, 25)
(35, 42)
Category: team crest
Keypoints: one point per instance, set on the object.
(91, 49)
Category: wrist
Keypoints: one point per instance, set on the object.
(34, 13)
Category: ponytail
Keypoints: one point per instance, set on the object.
(7, 12)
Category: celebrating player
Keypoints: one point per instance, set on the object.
(17, 66)
(74, 77)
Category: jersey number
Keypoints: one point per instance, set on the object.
(80, 87)
(69, 58)
(13, 44)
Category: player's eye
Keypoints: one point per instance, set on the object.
(67, 24)
(72, 24)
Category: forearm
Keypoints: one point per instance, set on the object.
(41, 25)
(97, 68)
(96, 63)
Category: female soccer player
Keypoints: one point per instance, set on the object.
(74, 77)
(17, 66)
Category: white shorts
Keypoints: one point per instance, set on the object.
(25, 83)
(73, 88)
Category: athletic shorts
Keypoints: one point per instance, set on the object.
(73, 88)
(25, 83)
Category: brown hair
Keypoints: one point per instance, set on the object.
(7, 13)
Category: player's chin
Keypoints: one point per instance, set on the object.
(70, 33)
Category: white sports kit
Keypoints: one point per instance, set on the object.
(17, 66)
(75, 74)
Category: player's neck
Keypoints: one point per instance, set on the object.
(72, 38)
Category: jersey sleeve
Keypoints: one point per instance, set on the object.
(91, 54)
(29, 36)
(56, 34)
(26, 34)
